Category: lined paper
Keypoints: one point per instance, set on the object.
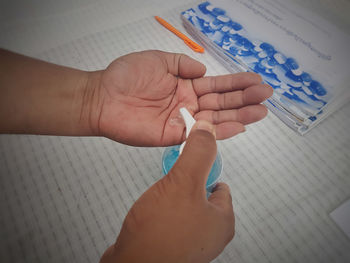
(63, 199)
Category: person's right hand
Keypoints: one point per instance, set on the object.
(173, 221)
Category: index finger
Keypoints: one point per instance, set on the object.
(225, 83)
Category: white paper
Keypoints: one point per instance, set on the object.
(301, 55)
(341, 216)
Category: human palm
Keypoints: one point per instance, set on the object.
(143, 92)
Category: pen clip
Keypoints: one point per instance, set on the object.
(194, 46)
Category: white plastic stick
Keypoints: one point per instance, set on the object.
(189, 122)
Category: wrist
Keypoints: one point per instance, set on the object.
(88, 103)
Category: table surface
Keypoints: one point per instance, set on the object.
(65, 198)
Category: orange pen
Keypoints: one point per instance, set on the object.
(193, 45)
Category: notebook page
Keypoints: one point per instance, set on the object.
(66, 197)
(341, 215)
(273, 39)
(29, 28)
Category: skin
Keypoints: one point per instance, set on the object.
(166, 82)
(136, 101)
(173, 221)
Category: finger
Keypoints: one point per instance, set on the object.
(221, 196)
(194, 164)
(244, 115)
(183, 66)
(228, 129)
(226, 83)
(236, 99)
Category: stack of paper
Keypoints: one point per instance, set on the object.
(302, 56)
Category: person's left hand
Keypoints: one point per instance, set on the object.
(138, 97)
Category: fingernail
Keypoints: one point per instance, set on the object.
(204, 125)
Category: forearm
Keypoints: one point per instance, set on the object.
(37, 97)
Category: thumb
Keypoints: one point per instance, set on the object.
(194, 164)
(183, 65)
